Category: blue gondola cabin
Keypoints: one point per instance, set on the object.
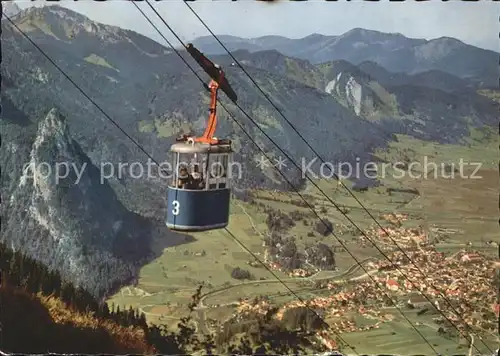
(199, 194)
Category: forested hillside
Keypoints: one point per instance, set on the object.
(39, 310)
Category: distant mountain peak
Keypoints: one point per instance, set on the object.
(371, 64)
(362, 32)
(40, 13)
(358, 30)
(10, 8)
(372, 35)
(53, 141)
(271, 37)
(54, 127)
(273, 52)
(64, 24)
(241, 52)
(315, 36)
(448, 41)
(439, 47)
(69, 26)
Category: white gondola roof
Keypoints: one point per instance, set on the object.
(185, 147)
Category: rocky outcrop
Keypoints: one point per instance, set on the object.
(10, 8)
(62, 213)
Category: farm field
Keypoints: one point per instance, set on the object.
(458, 211)
(397, 337)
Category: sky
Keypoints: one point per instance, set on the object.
(475, 23)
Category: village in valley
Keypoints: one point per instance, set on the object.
(456, 289)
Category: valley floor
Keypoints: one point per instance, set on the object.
(457, 216)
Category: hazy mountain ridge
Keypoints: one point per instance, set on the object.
(394, 51)
(433, 78)
(396, 100)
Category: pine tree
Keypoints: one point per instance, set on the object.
(105, 310)
(118, 314)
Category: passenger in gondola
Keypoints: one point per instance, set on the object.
(183, 178)
(197, 178)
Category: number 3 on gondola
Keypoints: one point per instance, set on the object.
(175, 208)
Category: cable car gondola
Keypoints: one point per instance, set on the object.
(199, 194)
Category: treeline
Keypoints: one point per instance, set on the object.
(288, 334)
(283, 249)
(19, 272)
(249, 197)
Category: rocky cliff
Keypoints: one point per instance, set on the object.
(62, 212)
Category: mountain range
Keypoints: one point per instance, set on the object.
(344, 105)
(393, 51)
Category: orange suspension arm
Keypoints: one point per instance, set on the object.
(212, 117)
(218, 81)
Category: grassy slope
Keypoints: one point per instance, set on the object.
(459, 203)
